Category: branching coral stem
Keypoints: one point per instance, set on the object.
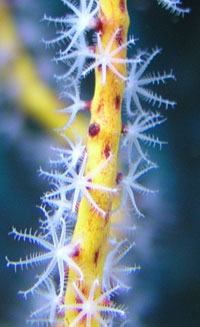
(104, 131)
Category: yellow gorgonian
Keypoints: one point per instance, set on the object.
(84, 235)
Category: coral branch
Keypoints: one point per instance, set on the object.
(92, 229)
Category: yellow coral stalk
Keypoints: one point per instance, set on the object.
(92, 228)
(36, 99)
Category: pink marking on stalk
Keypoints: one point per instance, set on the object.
(87, 106)
(99, 25)
(94, 129)
(122, 5)
(96, 257)
(119, 178)
(107, 151)
(117, 102)
(119, 36)
(124, 130)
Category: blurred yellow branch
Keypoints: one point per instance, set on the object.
(17, 70)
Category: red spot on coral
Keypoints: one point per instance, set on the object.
(98, 25)
(94, 129)
(96, 257)
(106, 218)
(78, 300)
(122, 5)
(84, 291)
(117, 102)
(100, 106)
(76, 251)
(119, 36)
(124, 129)
(107, 151)
(90, 181)
(99, 68)
(87, 105)
(119, 178)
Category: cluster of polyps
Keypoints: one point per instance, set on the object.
(70, 183)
